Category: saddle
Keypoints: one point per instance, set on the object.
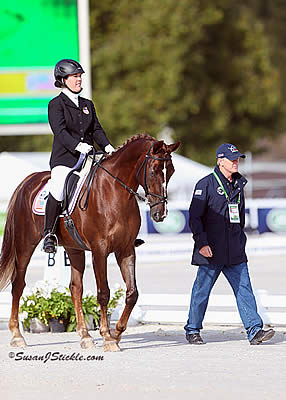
(74, 182)
(72, 187)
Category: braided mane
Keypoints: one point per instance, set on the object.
(133, 138)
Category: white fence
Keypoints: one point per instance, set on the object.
(222, 309)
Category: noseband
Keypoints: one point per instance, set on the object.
(163, 199)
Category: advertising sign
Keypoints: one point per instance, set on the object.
(34, 35)
(272, 220)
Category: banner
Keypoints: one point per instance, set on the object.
(34, 35)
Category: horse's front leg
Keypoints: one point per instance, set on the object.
(77, 260)
(127, 267)
(103, 296)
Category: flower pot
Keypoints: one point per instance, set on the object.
(36, 326)
(56, 325)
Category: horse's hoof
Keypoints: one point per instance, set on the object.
(18, 342)
(111, 346)
(86, 343)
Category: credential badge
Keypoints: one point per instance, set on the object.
(85, 110)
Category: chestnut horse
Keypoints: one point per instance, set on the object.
(110, 224)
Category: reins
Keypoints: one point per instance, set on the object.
(125, 186)
(89, 179)
(144, 164)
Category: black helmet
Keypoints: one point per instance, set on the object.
(64, 68)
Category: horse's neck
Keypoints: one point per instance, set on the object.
(127, 162)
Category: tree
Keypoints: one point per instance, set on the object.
(203, 68)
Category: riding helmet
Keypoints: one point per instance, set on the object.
(64, 68)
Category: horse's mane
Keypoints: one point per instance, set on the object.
(133, 138)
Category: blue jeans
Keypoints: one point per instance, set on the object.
(238, 277)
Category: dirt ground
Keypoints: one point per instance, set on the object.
(155, 362)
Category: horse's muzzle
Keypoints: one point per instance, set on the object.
(157, 216)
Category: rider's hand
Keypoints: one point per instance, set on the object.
(83, 148)
(206, 251)
(109, 149)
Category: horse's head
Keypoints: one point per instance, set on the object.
(155, 173)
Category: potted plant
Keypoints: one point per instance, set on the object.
(91, 309)
(33, 313)
(44, 303)
(59, 308)
(49, 306)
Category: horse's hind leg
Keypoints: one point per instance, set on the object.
(103, 296)
(77, 260)
(127, 267)
(17, 290)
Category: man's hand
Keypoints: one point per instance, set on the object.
(206, 251)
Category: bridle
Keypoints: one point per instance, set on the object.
(144, 164)
(164, 198)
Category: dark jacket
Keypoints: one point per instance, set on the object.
(70, 125)
(209, 220)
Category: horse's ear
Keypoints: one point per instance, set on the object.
(157, 146)
(173, 147)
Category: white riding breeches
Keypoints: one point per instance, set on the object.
(58, 177)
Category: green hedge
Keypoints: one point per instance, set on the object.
(3, 216)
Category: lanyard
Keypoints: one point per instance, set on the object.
(224, 191)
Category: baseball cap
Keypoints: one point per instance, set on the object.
(229, 151)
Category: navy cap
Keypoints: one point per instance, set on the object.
(228, 151)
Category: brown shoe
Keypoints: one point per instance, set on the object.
(194, 338)
(262, 336)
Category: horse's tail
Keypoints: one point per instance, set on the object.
(8, 252)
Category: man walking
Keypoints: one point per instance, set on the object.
(216, 218)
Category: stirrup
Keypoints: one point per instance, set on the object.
(55, 243)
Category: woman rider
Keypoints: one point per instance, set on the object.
(75, 126)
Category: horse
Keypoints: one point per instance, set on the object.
(110, 224)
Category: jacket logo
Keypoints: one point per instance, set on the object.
(85, 110)
(219, 190)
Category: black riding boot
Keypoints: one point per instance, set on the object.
(53, 208)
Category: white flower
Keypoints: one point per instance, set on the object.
(30, 303)
(45, 288)
(23, 316)
(27, 292)
(61, 289)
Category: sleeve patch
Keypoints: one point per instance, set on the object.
(198, 192)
